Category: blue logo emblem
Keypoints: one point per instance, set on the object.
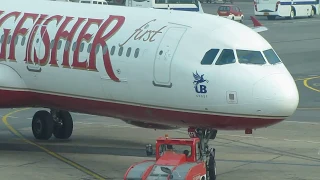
(200, 88)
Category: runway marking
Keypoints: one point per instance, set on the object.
(294, 140)
(55, 155)
(234, 135)
(258, 137)
(309, 108)
(300, 79)
(305, 83)
(11, 117)
(313, 123)
(291, 22)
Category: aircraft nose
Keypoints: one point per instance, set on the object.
(278, 94)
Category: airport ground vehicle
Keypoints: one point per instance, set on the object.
(182, 5)
(176, 158)
(286, 8)
(231, 12)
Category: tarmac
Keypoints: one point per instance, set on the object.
(104, 148)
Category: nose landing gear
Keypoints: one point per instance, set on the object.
(206, 154)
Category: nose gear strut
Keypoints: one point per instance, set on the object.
(206, 154)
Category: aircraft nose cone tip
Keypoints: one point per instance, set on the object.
(279, 94)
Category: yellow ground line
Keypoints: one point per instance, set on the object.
(63, 159)
(305, 83)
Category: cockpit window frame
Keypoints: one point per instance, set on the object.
(260, 52)
(220, 53)
(210, 56)
(264, 55)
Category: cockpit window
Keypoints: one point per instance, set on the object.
(250, 57)
(226, 57)
(209, 56)
(271, 56)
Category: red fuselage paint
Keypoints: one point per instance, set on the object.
(40, 21)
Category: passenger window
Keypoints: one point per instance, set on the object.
(74, 46)
(224, 8)
(59, 44)
(209, 56)
(136, 53)
(128, 51)
(66, 46)
(2, 37)
(120, 51)
(226, 57)
(271, 56)
(105, 49)
(52, 43)
(112, 50)
(81, 47)
(16, 40)
(89, 48)
(23, 40)
(250, 57)
(9, 39)
(97, 48)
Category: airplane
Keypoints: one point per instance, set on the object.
(150, 68)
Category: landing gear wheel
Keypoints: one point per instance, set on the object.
(64, 127)
(42, 125)
(212, 168)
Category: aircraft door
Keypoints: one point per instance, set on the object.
(36, 47)
(164, 56)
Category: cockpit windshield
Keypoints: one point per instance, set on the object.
(157, 173)
(226, 57)
(271, 56)
(250, 57)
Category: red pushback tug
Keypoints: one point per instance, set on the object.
(176, 158)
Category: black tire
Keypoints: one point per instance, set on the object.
(292, 14)
(212, 169)
(214, 134)
(241, 20)
(42, 125)
(312, 13)
(63, 131)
